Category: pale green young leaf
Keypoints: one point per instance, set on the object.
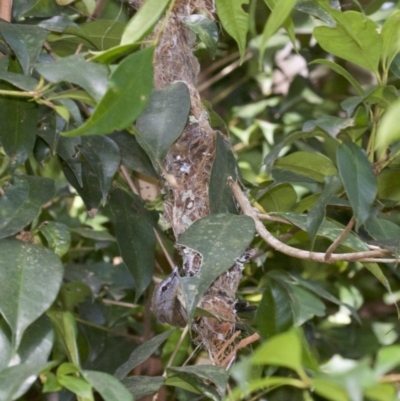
(143, 21)
(388, 128)
(391, 38)
(279, 15)
(235, 21)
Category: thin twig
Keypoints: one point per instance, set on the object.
(243, 343)
(291, 251)
(119, 303)
(339, 239)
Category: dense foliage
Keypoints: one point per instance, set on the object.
(307, 92)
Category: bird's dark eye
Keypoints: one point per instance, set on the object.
(164, 288)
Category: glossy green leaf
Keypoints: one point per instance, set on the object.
(104, 34)
(281, 350)
(132, 154)
(76, 70)
(37, 342)
(220, 239)
(305, 305)
(234, 20)
(135, 237)
(65, 326)
(381, 229)
(140, 386)
(224, 165)
(68, 150)
(141, 353)
(104, 158)
(315, 9)
(21, 81)
(205, 29)
(355, 38)
(18, 121)
(163, 120)
(390, 38)
(312, 165)
(57, 236)
(274, 313)
(143, 21)
(279, 15)
(90, 190)
(108, 386)
(358, 179)
(15, 380)
(127, 94)
(25, 40)
(23, 270)
(77, 386)
(316, 214)
(280, 198)
(22, 201)
(388, 129)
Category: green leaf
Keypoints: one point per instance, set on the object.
(104, 158)
(215, 374)
(37, 342)
(358, 179)
(25, 40)
(309, 164)
(281, 350)
(381, 392)
(65, 326)
(143, 21)
(328, 229)
(235, 21)
(279, 15)
(127, 94)
(163, 120)
(108, 386)
(21, 202)
(135, 237)
(67, 150)
(73, 293)
(5, 344)
(104, 34)
(329, 389)
(316, 214)
(388, 129)
(387, 359)
(140, 386)
(390, 38)
(205, 29)
(16, 380)
(274, 313)
(388, 187)
(305, 305)
(280, 198)
(18, 122)
(220, 239)
(76, 70)
(341, 71)
(381, 229)
(355, 38)
(57, 236)
(132, 154)
(224, 165)
(77, 386)
(23, 270)
(375, 269)
(199, 377)
(21, 81)
(141, 353)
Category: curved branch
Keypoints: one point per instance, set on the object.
(291, 251)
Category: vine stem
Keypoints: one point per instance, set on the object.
(289, 250)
